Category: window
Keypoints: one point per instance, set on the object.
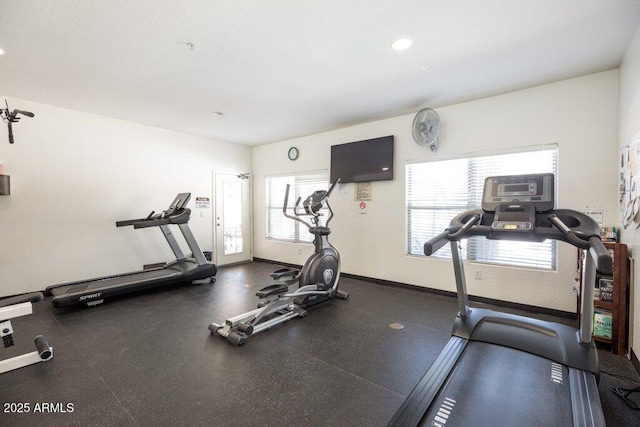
(280, 227)
(439, 190)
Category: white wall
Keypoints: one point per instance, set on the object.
(73, 175)
(580, 115)
(629, 127)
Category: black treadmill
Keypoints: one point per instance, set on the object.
(193, 269)
(504, 369)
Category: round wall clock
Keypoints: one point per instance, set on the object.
(293, 153)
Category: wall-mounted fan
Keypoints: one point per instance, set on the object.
(426, 126)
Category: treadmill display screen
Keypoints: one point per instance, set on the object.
(516, 189)
(533, 189)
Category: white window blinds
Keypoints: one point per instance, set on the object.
(279, 227)
(439, 190)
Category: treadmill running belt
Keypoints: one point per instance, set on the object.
(115, 281)
(494, 385)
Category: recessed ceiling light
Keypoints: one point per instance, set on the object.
(402, 44)
(1, 52)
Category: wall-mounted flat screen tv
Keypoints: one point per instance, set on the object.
(363, 161)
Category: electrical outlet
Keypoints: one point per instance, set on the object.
(478, 274)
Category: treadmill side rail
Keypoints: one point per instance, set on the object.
(585, 400)
(416, 404)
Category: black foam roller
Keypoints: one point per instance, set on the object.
(43, 347)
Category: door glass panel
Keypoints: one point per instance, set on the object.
(232, 220)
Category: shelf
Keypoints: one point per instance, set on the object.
(619, 306)
(603, 304)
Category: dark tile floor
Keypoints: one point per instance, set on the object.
(150, 360)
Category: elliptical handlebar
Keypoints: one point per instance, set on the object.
(295, 207)
(326, 198)
(332, 187)
(296, 215)
(286, 201)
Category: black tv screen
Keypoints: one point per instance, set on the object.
(362, 161)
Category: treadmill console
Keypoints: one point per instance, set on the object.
(178, 203)
(515, 199)
(533, 189)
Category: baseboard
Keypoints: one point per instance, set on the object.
(270, 261)
(482, 300)
(233, 264)
(635, 362)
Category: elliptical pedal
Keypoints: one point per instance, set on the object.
(237, 339)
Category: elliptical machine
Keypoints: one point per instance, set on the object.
(317, 281)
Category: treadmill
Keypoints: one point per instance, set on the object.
(193, 269)
(504, 369)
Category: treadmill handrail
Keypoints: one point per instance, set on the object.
(128, 222)
(597, 250)
(583, 239)
(179, 217)
(452, 233)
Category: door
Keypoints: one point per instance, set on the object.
(232, 219)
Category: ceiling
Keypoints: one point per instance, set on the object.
(286, 68)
